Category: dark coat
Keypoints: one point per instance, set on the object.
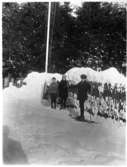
(53, 88)
(63, 89)
(82, 90)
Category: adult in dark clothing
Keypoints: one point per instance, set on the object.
(83, 87)
(63, 91)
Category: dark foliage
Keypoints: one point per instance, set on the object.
(95, 38)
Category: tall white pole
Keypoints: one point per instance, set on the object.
(48, 31)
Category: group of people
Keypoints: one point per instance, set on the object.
(111, 102)
(108, 101)
(58, 89)
(116, 92)
(62, 88)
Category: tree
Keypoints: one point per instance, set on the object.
(62, 46)
(95, 38)
(102, 33)
(24, 29)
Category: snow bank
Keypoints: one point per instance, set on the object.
(110, 75)
(33, 89)
(74, 74)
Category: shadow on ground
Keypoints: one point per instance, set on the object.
(13, 152)
(84, 120)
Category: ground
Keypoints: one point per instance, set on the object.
(52, 137)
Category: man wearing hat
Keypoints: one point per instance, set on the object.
(83, 88)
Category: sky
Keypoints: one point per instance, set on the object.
(75, 3)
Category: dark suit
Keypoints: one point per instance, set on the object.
(63, 92)
(83, 88)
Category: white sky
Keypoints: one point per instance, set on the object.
(73, 2)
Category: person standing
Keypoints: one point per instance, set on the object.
(63, 91)
(53, 92)
(83, 88)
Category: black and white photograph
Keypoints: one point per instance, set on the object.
(64, 82)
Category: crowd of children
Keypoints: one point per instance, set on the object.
(112, 102)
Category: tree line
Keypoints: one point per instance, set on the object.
(95, 37)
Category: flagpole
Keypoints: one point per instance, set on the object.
(48, 31)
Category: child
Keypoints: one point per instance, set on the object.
(53, 92)
(72, 105)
